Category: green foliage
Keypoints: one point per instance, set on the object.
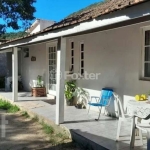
(8, 107)
(35, 118)
(70, 88)
(39, 80)
(14, 11)
(47, 129)
(82, 94)
(63, 136)
(13, 35)
(60, 135)
(25, 114)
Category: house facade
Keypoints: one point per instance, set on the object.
(111, 41)
(39, 25)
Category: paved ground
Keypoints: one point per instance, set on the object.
(25, 134)
(102, 132)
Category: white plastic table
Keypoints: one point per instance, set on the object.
(139, 109)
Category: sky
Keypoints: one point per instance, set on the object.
(59, 9)
(56, 10)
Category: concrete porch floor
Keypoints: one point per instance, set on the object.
(82, 126)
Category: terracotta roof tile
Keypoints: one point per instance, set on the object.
(98, 10)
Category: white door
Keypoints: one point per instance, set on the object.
(52, 64)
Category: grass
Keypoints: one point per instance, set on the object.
(60, 135)
(55, 136)
(53, 141)
(25, 114)
(35, 118)
(10, 108)
(47, 128)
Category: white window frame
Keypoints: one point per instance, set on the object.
(50, 44)
(82, 59)
(143, 30)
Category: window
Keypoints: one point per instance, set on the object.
(82, 58)
(72, 58)
(26, 52)
(146, 53)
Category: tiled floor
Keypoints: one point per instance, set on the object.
(102, 132)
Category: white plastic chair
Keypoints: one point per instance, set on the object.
(123, 117)
(142, 127)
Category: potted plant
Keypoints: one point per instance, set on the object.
(82, 96)
(39, 80)
(70, 88)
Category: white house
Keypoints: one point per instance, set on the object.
(39, 25)
(111, 39)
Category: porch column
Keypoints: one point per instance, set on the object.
(15, 74)
(61, 60)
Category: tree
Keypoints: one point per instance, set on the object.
(16, 14)
(13, 35)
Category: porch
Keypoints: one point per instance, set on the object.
(27, 63)
(83, 127)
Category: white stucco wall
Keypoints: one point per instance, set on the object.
(42, 25)
(45, 23)
(37, 29)
(31, 69)
(116, 54)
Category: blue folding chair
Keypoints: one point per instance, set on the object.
(102, 101)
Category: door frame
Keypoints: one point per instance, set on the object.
(52, 43)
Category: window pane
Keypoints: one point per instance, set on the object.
(51, 68)
(52, 75)
(72, 53)
(49, 49)
(54, 62)
(50, 62)
(82, 55)
(147, 37)
(51, 87)
(82, 47)
(147, 53)
(72, 68)
(51, 56)
(72, 45)
(54, 55)
(72, 60)
(82, 71)
(54, 49)
(82, 64)
(147, 69)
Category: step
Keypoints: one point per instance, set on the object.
(53, 97)
(85, 143)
